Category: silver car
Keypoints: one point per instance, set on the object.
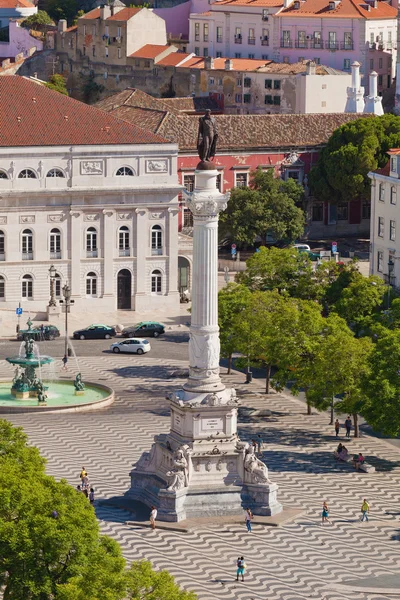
(133, 345)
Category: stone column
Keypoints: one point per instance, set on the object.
(142, 250)
(205, 202)
(75, 253)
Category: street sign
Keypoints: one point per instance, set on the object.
(233, 251)
(18, 311)
(334, 247)
(233, 247)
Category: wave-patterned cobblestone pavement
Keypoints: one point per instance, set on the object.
(299, 560)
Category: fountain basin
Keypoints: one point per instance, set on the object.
(35, 361)
(60, 397)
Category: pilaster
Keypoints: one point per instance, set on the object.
(142, 249)
(109, 234)
(76, 250)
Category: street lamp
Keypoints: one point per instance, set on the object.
(66, 307)
(52, 275)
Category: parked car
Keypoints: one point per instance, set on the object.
(307, 250)
(132, 345)
(95, 332)
(145, 329)
(50, 332)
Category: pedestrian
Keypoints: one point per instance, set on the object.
(91, 496)
(325, 513)
(337, 427)
(85, 492)
(364, 510)
(254, 444)
(42, 332)
(240, 568)
(153, 517)
(348, 424)
(83, 474)
(248, 518)
(259, 444)
(79, 489)
(85, 483)
(64, 361)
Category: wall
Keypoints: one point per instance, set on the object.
(322, 93)
(20, 42)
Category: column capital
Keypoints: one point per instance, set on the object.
(209, 205)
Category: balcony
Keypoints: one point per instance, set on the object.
(238, 39)
(251, 41)
(124, 251)
(27, 256)
(286, 44)
(332, 45)
(91, 253)
(317, 44)
(301, 44)
(156, 251)
(346, 46)
(264, 42)
(55, 255)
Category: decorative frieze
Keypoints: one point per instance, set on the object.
(3, 220)
(57, 218)
(125, 216)
(91, 217)
(156, 166)
(24, 219)
(92, 167)
(156, 215)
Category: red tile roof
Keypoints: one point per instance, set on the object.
(354, 9)
(123, 15)
(173, 60)
(384, 170)
(394, 151)
(239, 64)
(261, 3)
(33, 115)
(16, 4)
(149, 51)
(93, 14)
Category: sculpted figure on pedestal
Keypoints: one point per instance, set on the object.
(207, 137)
(255, 470)
(178, 477)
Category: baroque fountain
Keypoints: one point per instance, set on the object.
(36, 387)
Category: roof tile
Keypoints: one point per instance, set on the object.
(355, 9)
(149, 51)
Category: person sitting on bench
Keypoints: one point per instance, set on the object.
(358, 461)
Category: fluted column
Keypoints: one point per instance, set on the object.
(205, 202)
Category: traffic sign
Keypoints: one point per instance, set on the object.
(233, 251)
(233, 246)
(18, 311)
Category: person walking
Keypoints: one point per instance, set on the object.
(42, 332)
(259, 444)
(64, 362)
(248, 518)
(153, 517)
(325, 513)
(337, 427)
(82, 475)
(91, 496)
(364, 510)
(348, 424)
(240, 568)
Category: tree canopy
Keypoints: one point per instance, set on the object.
(63, 9)
(38, 21)
(352, 151)
(268, 206)
(58, 84)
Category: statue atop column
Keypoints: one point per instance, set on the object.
(207, 137)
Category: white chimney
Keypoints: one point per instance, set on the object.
(355, 93)
(209, 62)
(310, 67)
(287, 3)
(105, 12)
(62, 25)
(373, 102)
(228, 65)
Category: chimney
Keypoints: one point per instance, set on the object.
(373, 102)
(105, 12)
(287, 3)
(310, 67)
(228, 65)
(62, 25)
(209, 62)
(355, 93)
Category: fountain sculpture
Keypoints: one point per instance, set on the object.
(26, 384)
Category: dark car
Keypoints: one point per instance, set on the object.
(95, 332)
(144, 329)
(50, 332)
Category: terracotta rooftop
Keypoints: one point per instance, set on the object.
(123, 15)
(394, 151)
(261, 3)
(236, 132)
(33, 115)
(298, 67)
(16, 4)
(192, 104)
(255, 65)
(239, 64)
(174, 59)
(355, 9)
(384, 170)
(149, 51)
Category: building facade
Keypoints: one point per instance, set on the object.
(385, 217)
(15, 9)
(93, 196)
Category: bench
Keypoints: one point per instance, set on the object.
(366, 467)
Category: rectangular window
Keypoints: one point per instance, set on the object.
(382, 192)
(219, 55)
(389, 40)
(380, 63)
(371, 38)
(188, 182)
(252, 36)
(317, 42)
(247, 82)
(286, 43)
(343, 211)
(268, 99)
(346, 64)
(246, 98)
(393, 195)
(380, 38)
(381, 227)
(277, 100)
(197, 32)
(301, 39)
(380, 262)
(241, 180)
(187, 218)
(219, 35)
(332, 40)
(277, 84)
(265, 37)
(348, 40)
(317, 212)
(392, 231)
(238, 55)
(238, 98)
(211, 81)
(264, 56)
(197, 51)
(205, 52)
(251, 56)
(205, 32)
(268, 84)
(238, 35)
(94, 50)
(366, 210)
(219, 182)
(119, 32)
(317, 60)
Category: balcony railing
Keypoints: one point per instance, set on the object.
(251, 41)
(27, 256)
(317, 44)
(156, 251)
(124, 251)
(91, 253)
(286, 44)
(55, 255)
(346, 46)
(301, 44)
(264, 42)
(238, 40)
(332, 45)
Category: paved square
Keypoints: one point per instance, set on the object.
(296, 561)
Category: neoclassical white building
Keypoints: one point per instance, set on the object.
(92, 195)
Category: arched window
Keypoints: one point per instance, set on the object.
(91, 284)
(156, 282)
(57, 286)
(3, 175)
(156, 239)
(27, 287)
(55, 243)
(2, 246)
(124, 172)
(2, 288)
(55, 173)
(27, 174)
(123, 241)
(91, 243)
(27, 244)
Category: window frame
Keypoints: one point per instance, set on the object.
(91, 285)
(157, 240)
(27, 287)
(156, 282)
(91, 242)
(381, 227)
(27, 173)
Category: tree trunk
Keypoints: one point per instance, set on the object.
(356, 428)
(229, 364)
(308, 407)
(267, 379)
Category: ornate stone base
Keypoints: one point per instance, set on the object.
(79, 393)
(20, 395)
(261, 499)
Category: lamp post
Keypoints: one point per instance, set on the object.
(67, 304)
(52, 275)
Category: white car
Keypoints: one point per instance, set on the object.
(135, 345)
(303, 247)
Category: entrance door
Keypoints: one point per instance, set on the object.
(183, 274)
(124, 289)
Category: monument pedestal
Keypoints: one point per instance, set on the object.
(53, 311)
(201, 468)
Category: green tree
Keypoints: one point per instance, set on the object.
(91, 90)
(58, 84)
(38, 21)
(360, 299)
(63, 9)
(146, 584)
(382, 385)
(353, 150)
(232, 300)
(267, 206)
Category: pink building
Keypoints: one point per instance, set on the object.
(20, 42)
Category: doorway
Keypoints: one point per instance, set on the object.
(183, 274)
(124, 289)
